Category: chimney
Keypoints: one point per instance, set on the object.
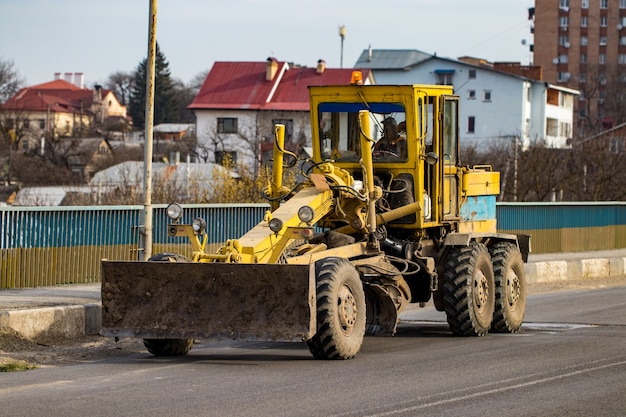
(68, 77)
(321, 66)
(57, 75)
(271, 69)
(369, 54)
(79, 80)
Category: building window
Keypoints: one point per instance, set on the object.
(26, 123)
(563, 21)
(602, 58)
(604, 4)
(564, 4)
(583, 40)
(617, 145)
(288, 123)
(226, 158)
(471, 94)
(444, 77)
(584, 4)
(603, 21)
(562, 77)
(42, 124)
(564, 41)
(622, 4)
(584, 21)
(487, 95)
(563, 59)
(602, 40)
(471, 124)
(226, 125)
(622, 40)
(621, 59)
(472, 73)
(583, 58)
(582, 77)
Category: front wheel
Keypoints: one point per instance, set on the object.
(468, 289)
(340, 310)
(510, 279)
(168, 347)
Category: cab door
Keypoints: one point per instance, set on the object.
(450, 156)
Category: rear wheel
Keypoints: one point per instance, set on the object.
(340, 310)
(510, 280)
(168, 347)
(469, 290)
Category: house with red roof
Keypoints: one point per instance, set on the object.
(240, 102)
(57, 109)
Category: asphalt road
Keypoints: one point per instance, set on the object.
(569, 360)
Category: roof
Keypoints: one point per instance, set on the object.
(243, 86)
(391, 58)
(130, 173)
(55, 96)
(173, 127)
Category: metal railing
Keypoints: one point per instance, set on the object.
(42, 246)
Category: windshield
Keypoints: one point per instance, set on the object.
(339, 131)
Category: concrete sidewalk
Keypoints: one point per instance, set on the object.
(75, 310)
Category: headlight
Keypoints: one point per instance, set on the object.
(276, 225)
(174, 211)
(306, 214)
(198, 225)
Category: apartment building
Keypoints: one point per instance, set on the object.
(581, 44)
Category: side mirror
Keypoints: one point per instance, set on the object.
(431, 158)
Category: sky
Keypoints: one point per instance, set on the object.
(100, 37)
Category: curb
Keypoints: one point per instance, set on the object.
(554, 271)
(54, 322)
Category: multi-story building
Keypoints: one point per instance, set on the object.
(581, 44)
(501, 103)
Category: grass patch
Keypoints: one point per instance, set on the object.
(16, 366)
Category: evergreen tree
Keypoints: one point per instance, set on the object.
(165, 106)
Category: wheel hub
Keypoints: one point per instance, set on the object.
(347, 309)
(513, 288)
(481, 290)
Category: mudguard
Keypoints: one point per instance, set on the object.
(167, 300)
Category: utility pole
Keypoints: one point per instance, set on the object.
(145, 240)
(342, 35)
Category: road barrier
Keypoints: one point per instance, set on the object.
(42, 246)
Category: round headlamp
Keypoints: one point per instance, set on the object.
(174, 211)
(306, 214)
(276, 225)
(198, 225)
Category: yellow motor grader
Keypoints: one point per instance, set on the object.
(387, 215)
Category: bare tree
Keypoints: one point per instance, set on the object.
(121, 84)
(10, 80)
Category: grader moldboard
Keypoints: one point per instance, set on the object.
(371, 229)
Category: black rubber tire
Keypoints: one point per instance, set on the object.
(341, 311)
(168, 257)
(510, 280)
(168, 347)
(469, 290)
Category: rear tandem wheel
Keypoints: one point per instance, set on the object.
(168, 347)
(510, 280)
(469, 290)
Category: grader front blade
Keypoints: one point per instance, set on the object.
(168, 300)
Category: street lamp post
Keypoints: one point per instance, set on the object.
(342, 35)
